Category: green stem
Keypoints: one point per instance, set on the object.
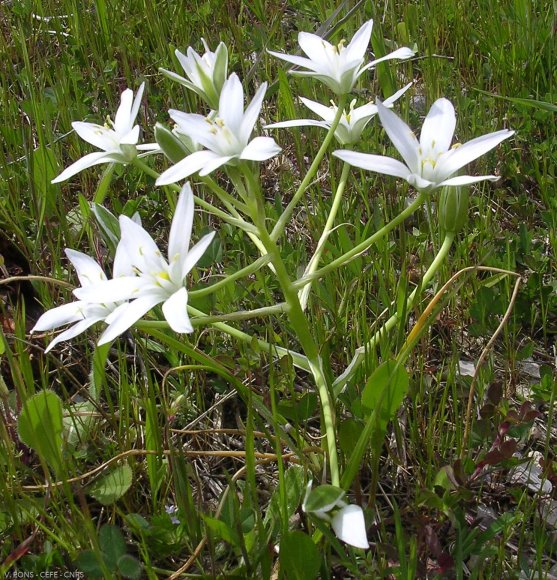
(360, 353)
(298, 321)
(283, 220)
(235, 221)
(253, 267)
(314, 262)
(362, 246)
(299, 360)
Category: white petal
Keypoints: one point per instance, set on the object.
(175, 310)
(215, 163)
(326, 113)
(359, 43)
(88, 271)
(378, 163)
(438, 128)
(467, 180)
(131, 137)
(83, 163)
(313, 45)
(393, 98)
(297, 60)
(180, 230)
(122, 121)
(251, 114)
(400, 53)
(136, 103)
(260, 149)
(460, 156)
(298, 123)
(350, 526)
(73, 331)
(196, 252)
(59, 316)
(420, 183)
(231, 104)
(99, 136)
(142, 249)
(401, 135)
(127, 317)
(114, 290)
(186, 167)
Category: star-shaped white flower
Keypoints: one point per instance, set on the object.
(225, 134)
(156, 279)
(81, 314)
(337, 66)
(431, 161)
(351, 124)
(206, 74)
(117, 139)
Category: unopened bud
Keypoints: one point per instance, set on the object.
(453, 208)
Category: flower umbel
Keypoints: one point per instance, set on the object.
(82, 313)
(225, 134)
(155, 279)
(352, 122)
(337, 66)
(431, 161)
(206, 73)
(117, 139)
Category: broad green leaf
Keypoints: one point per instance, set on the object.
(109, 225)
(348, 434)
(299, 557)
(112, 544)
(88, 563)
(385, 390)
(221, 530)
(323, 498)
(129, 567)
(40, 427)
(112, 486)
(294, 485)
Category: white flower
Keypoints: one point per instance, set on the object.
(206, 73)
(431, 161)
(156, 280)
(225, 134)
(348, 522)
(351, 124)
(117, 139)
(339, 67)
(82, 313)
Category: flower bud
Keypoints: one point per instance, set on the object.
(170, 144)
(453, 208)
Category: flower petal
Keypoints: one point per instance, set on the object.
(460, 156)
(186, 167)
(83, 163)
(215, 163)
(196, 252)
(73, 331)
(439, 125)
(350, 526)
(360, 41)
(401, 135)
(180, 230)
(298, 123)
(467, 180)
(378, 163)
(251, 114)
(136, 103)
(122, 121)
(231, 104)
(88, 271)
(59, 316)
(260, 149)
(297, 60)
(313, 45)
(97, 135)
(401, 54)
(393, 98)
(175, 310)
(126, 317)
(113, 290)
(326, 113)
